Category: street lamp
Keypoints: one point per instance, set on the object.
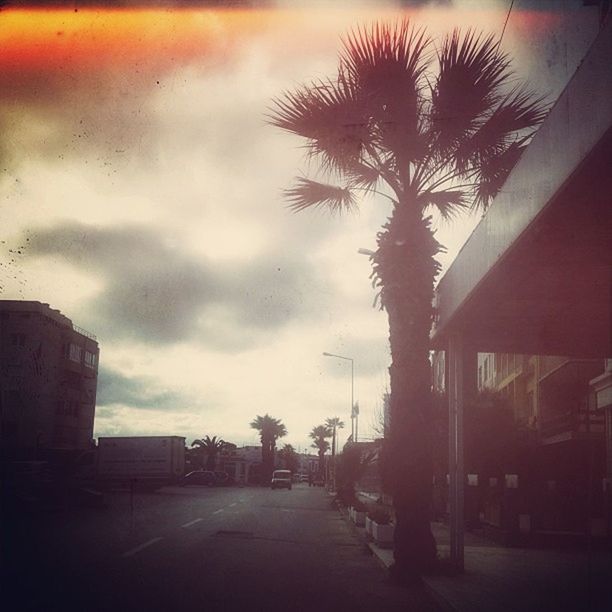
(354, 416)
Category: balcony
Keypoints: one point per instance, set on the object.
(567, 406)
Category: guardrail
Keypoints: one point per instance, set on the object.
(84, 332)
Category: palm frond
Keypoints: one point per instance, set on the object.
(307, 193)
(492, 174)
(363, 176)
(385, 65)
(471, 71)
(519, 111)
(329, 116)
(449, 203)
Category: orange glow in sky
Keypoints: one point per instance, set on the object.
(103, 38)
(90, 39)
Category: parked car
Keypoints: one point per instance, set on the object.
(281, 479)
(303, 477)
(223, 478)
(199, 477)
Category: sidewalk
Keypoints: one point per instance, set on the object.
(501, 579)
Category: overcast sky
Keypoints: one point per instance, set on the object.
(141, 194)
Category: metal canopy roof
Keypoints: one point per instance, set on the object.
(534, 277)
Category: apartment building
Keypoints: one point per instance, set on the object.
(550, 394)
(48, 381)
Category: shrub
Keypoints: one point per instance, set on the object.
(380, 516)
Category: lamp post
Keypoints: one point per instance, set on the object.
(353, 415)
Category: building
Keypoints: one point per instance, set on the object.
(243, 464)
(48, 381)
(534, 276)
(554, 404)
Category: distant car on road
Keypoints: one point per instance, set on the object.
(303, 477)
(281, 479)
(199, 477)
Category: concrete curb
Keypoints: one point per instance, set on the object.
(384, 557)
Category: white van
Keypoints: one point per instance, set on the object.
(280, 479)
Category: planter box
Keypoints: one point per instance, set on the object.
(383, 535)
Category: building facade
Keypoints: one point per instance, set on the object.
(48, 381)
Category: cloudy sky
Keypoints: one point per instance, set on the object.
(141, 194)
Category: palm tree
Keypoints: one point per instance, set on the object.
(334, 423)
(270, 429)
(429, 127)
(210, 447)
(289, 458)
(319, 435)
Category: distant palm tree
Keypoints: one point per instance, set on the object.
(270, 429)
(427, 127)
(289, 458)
(319, 435)
(210, 447)
(334, 423)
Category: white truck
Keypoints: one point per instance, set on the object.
(142, 461)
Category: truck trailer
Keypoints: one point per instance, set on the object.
(144, 461)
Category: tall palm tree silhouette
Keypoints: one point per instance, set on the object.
(334, 423)
(270, 430)
(319, 434)
(429, 126)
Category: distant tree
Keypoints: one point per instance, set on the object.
(351, 466)
(334, 423)
(319, 434)
(270, 430)
(209, 448)
(289, 457)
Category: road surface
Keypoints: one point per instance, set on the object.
(197, 548)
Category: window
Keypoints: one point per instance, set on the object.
(90, 360)
(75, 353)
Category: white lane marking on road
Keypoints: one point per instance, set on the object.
(190, 523)
(136, 550)
(217, 511)
(234, 504)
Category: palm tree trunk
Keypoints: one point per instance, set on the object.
(334, 442)
(407, 268)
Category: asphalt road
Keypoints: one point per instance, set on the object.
(197, 548)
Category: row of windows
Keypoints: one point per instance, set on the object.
(73, 351)
(76, 353)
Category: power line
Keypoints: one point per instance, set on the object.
(505, 22)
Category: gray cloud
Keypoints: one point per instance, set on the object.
(371, 356)
(155, 292)
(138, 392)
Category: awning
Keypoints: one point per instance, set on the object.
(534, 277)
